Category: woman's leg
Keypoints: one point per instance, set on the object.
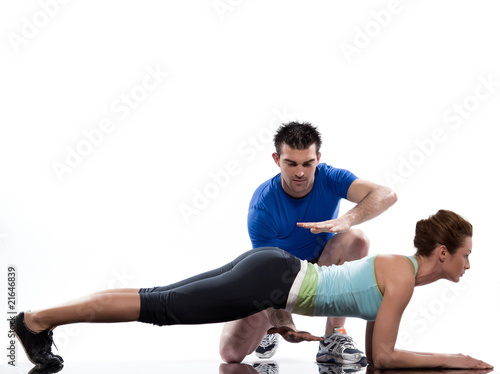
(34, 329)
(202, 276)
(124, 305)
(257, 280)
(106, 306)
(115, 305)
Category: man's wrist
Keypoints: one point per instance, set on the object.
(349, 218)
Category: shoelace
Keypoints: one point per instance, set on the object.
(266, 368)
(267, 340)
(48, 341)
(339, 342)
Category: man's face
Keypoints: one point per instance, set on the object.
(297, 169)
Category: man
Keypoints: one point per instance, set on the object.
(297, 210)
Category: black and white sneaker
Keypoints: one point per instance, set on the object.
(38, 346)
(266, 367)
(339, 348)
(339, 368)
(46, 369)
(268, 346)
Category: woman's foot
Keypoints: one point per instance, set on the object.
(37, 345)
(34, 325)
(46, 369)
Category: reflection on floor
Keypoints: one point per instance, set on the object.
(288, 366)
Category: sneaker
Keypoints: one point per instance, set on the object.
(339, 368)
(268, 346)
(36, 345)
(339, 348)
(50, 341)
(266, 367)
(46, 369)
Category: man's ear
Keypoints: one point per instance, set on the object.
(276, 158)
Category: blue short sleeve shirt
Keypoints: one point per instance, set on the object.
(273, 215)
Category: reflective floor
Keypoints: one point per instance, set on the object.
(285, 366)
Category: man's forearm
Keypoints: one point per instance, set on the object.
(373, 204)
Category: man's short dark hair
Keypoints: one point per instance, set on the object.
(297, 136)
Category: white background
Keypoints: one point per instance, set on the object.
(396, 88)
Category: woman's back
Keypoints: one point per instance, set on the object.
(354, 289)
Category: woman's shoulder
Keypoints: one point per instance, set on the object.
(393, 260)
(394, 271)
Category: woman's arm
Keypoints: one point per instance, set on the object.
(368, 341)
(398, 290)
(371, 370)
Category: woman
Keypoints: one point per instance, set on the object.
(376, 288)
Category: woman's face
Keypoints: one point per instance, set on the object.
(456, 264)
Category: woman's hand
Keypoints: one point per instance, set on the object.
(467, 362)
(372, 370)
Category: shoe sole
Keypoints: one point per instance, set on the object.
(20, 341)
(37, 364)
(339, 361)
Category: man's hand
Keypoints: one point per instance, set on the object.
(338, 226)
(293, 336)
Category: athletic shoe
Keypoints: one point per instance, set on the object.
(339, 368)
(266, 367)
(268, 346)
(46, 369)
(339, 348)
(36, 345)
(50, 341)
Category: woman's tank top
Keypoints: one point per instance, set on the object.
(348, 290)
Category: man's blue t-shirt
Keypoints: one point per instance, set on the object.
(273, 215)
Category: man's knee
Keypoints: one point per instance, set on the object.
(348, 246)
(240, 338)
(360, 244)
(230, 354)
(234, 349)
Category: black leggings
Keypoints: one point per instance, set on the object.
(258, 279)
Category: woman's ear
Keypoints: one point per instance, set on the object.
(443, 253)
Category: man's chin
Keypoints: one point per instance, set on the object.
(300, 191)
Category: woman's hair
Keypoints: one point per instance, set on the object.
(297, 136)
(443, 228)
